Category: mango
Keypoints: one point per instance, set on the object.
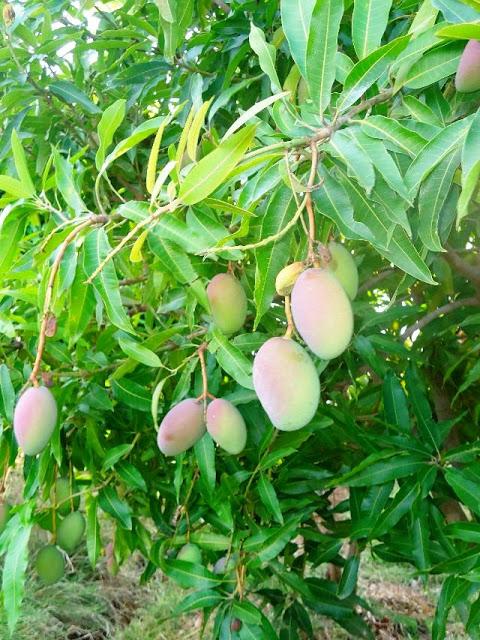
(228, 302)
(226, 425)
(70, 531)
(287, 277)
(34, 419)
(61, 496)
(180, 429)
(322, 313)
(468, 72)
(225, 564)
(4, 513)
(343, 267)
(190, 553)
(50, 564)
(286, 383)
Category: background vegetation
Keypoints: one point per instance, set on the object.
(147, 146)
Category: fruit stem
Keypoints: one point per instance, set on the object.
(205, 394)
(288, 313)
(311, 216)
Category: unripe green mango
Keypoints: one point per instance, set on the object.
(50, 564)
(34, 419)
(225, 564)
(228, 302)
(322, 313)
(70, 531)
(286, 383)
(467, 79)
(61, 496)
(287, 277)
(180, 429)
(343, 267)
(4, 513)
(190, 553)
(226, 425)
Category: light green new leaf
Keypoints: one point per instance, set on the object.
(432, 196)
(424, 18)
(81, 306)
(111, 119)
(433, 66)
(369, 21)
(296, 16)
(66, 184)
(214, 168)
(266, 53)
(139, 352)
(369, 70)
(195, 128)
(271, 258)
(250, 113)
(21, 164)
(165, 9)
(322, 51)
(174, 24)
(465, 31)
(7, 393)
(174, 261)
(14, 568)
(14, 187)
(96, 248)
(231, 359)
(94, 543)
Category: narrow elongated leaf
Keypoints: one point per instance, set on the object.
(199, 600)
(395, 403)
(205, 455)
(14, 187)
(296, 17)
(403, 139)
(383, 471)
(13, 580)
(402, 252)
(470, 167)
(81, 305)
(214, 168)
(456, 10)
(139, 352)
(464, 31)
(322, 51)
(358, 163)
(66, 184)
(96, 248)
(21, 164)
(131, 476)
(111, 119)
(369, 70)
(266, 53)
(369, 21)
(254, 109)
(195, 129)
(71, 94)
(94, 542)
(132, 394)
(109, 502)
(269, 498)
(172, 259)
(434, 65)
(7, 393)
(232, 360)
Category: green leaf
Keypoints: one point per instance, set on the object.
(358, 163)
(14, 570)
(456, 11)
(231, 359)
(96, 248)
(348, 581)
(369, 21)
(139, 352)
(174, 30)
(434, 65)
(173, 261)
(369, 70)
(132, 394)
(383, 471)
(400, 505)
(14, 187)
(465, 487)
(389, 130)
(269, 498)
(66, 184)
(205, 455)
(81, 306)
(109, 502)
(463, 31)
(112, 456)
(466, 531)
(131, 476)
(94, 543)
(271, 258)
(395, 403)
(266, 56)
(296, 16)
(434, 152)
(268, 543)
(111, 119)
(322, 51)
(212, 170)
(470, 167)
(7, 393)
(199, 600)
(403, 254)
(21, 164)
(71, 94)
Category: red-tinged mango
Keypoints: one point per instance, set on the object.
(180, 429)
(34, 419)
(467, 79)
(226, 425)
(286, 383)
(228, 302)
(322, 313)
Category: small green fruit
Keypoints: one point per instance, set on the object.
(190, 553)
(61, 494)
(70, 531)
(50, 564)
(228, 302)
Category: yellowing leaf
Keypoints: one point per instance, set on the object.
(136, 252)
(194, 132)
(152, 161)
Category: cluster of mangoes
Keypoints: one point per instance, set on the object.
(50, 560)
(467, 79)
(284, 376)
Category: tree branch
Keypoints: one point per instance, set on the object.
(471, 272)
(446, 308)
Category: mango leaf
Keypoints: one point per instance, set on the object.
(402, 252)
(132, 394)
(109, 502)
(7, 393)
(456, 11)
(131, 476)
(231, 359)
(199, 600)
(96, 248)
(369, 21)
(369, 70)
(205, 455)
(21, 164)
(435, 65)
(94, 543)
(139, 352)
(322, 51)
(66, 184)
(395, 403)
(382, 471)
(214, 168)
(358, 163)
(463, 31)
(14, 187)
(296, 16)
(71, 94)
(111, 119)
(389, 130)
(14, 569)
(470, 167)
(266, 56)
(269, 498)
(81, 306)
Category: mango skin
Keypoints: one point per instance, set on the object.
(61, 493)
(180, 429)
(228, 302)
(343, 267)
(190, 553)
(70, 531)
(226, 426)
(34, 419)
(322, 313)
(467, 79)
(50, 564)
(286, 383)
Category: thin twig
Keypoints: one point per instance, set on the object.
(311, 215)
(288, 314)
(446, 308)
